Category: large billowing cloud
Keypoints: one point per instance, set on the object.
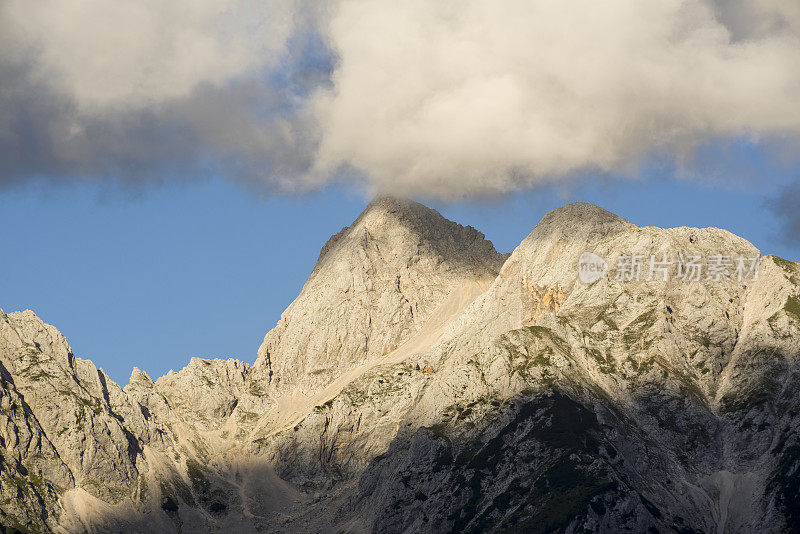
(437, 98)
(155, 90)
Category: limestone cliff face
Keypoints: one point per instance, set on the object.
(375, 284)
(86, 431)
(422, 382)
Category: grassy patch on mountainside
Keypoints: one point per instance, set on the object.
(792, 307)
(529, 351)
(634, 331)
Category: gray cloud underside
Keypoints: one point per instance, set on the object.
(443, 99)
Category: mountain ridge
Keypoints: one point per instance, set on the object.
(518, 397)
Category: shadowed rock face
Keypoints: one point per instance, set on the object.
(422, 382)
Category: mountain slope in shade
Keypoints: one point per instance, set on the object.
(422, 382)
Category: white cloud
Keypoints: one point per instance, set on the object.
(437, 98)
(483, 96)
(125, 53)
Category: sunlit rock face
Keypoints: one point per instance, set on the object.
(423, 382)
(375, 284)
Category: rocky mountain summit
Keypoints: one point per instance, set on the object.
(423, 382)
(375, 284)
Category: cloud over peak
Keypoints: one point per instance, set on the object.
(435, 98)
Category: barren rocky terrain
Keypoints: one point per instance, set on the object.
(424, 382)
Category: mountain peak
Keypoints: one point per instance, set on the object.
(384, 211)
(582, 214)
(383, 276)
(406, 227)
(375, 217)
(394, 203)
(402, 208)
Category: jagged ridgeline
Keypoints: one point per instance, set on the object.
(424, 382)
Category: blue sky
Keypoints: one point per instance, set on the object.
(135, 163)
(152, 276)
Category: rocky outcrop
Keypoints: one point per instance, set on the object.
(375, 284)
(80, 410)
(422, 382)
